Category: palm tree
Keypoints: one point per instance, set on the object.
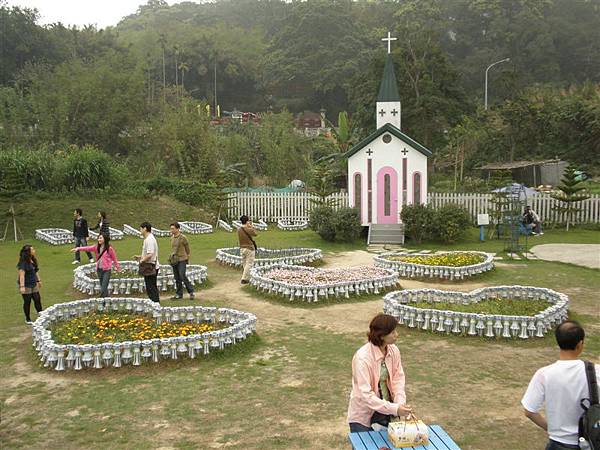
(183, 66)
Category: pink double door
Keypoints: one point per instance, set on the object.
(387, 195)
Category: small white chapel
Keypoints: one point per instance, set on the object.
(387, 169)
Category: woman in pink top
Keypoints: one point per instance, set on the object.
(105, 258)
(377, 378)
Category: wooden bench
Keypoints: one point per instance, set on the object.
(374, 440)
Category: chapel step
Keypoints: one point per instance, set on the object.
(386, 234)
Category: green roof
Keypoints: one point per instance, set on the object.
(388, 90)
(388, 127)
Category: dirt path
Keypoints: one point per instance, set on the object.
(586, 255)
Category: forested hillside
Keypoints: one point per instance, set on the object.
(139, 91)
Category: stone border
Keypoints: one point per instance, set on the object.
(397, 303)
(291, 256)
(82, 281)
(54, 236)
(412, 270)
(196, 227)
(115, 235)
(71, 356)
(312, 293)
(157, 232)
(224, 226)
(292, 225)
(261, 225)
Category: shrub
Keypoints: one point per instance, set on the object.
(342, 224)
(321, 220)
(347, 224)
(418, 221)
(450, 223)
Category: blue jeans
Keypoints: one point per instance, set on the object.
(377, 417)
(81, 242)
(553, 445)
(104, 277)
(181, 278)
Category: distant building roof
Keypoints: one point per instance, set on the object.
(517, 164)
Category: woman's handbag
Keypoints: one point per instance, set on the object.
(147, 269)
(408, 432)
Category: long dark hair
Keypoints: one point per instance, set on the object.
(106, 242)
(25, 256)
(102, 216)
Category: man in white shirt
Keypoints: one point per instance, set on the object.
(561, 386)
(149, 255)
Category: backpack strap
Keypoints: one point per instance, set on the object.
(592, 382)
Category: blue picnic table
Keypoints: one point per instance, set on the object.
(374, 440)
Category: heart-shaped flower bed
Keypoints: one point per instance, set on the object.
(266, 256)
(224, 225)
(196, 227)
(292, 225)
(261, 225)
(129, 281)
(132, 328)
(54, 236)
(157, 232)
(446, 265)
(310, 284)
(115, 235)
(498, 311)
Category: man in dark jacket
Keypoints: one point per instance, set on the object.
(80, 233)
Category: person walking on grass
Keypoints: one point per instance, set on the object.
(561, 386)
(148, 260)
(179, 258)
(102, 225)
(29, 281)
(80, 234)
(106, 258)
(247, 247)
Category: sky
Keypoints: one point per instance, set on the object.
(101, 13)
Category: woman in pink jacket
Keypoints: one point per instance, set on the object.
(105, 258)
(377, 378)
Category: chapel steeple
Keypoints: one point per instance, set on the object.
(388, 101)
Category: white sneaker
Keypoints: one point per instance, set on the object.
(76, 262)
(29, 322)
(91, 260)
(541, 233)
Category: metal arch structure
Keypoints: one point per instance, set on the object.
(512, 225)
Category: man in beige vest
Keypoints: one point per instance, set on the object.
(247, 247)
(179, 257)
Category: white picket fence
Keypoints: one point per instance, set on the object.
(271, 206)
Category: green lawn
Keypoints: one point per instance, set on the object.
(287, 387)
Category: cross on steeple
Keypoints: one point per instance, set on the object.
(394, 112)
(389, 40)
(369, 152)
(382, 112)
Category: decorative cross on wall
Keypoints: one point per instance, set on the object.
(394, 112)
(382, 112)
(404, 152)
(369, 152)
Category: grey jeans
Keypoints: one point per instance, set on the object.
(104, 277)
(181, 278)
(81, 242)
